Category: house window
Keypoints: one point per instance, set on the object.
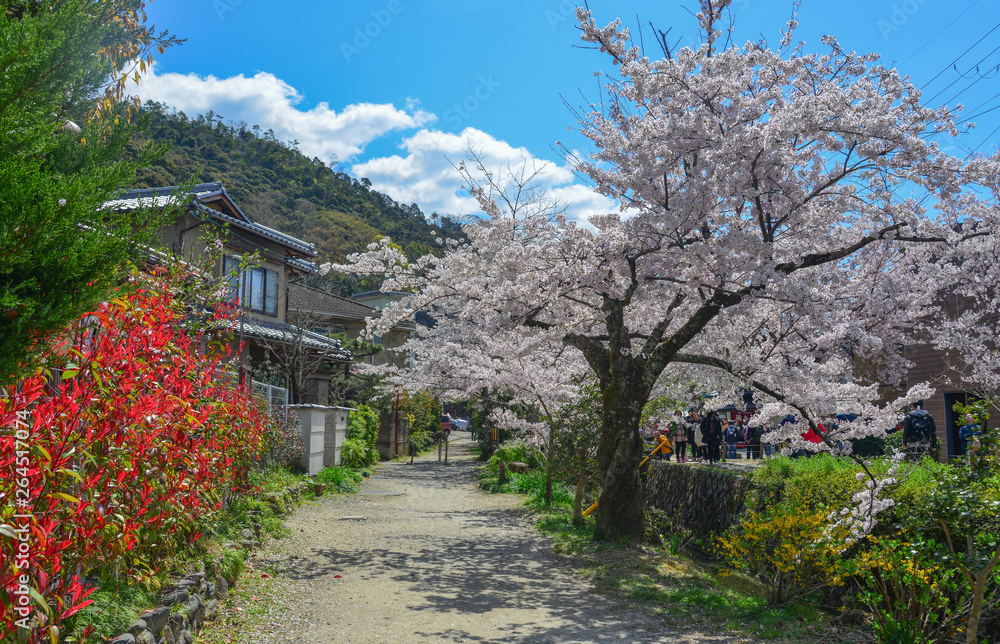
(255, 289)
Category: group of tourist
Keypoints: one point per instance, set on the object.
(701, 436)
(705, 433)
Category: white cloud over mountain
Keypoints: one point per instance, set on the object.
(265, 100)
(424, 174)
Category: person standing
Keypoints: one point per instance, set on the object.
(693, 429)
(767, 446)
(968, 433)
(919, 432)
(754, 434)
(732, 434)
(711, 433)
(679, 436)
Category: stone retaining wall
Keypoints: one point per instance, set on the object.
(705, 500)
(192, 599)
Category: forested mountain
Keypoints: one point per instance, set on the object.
(278, 186)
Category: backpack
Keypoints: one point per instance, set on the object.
(920, 425)
(755, 434)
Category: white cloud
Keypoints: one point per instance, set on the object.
(425, 175)
(266, 100)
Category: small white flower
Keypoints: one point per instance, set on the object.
(62, 202)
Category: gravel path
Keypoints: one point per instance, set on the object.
(421, 554)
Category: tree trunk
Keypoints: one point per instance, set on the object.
(972, 628)
(979, 581)
(620, 509)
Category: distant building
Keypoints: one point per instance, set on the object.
(937, 367)
(328, 313)
(397, 335)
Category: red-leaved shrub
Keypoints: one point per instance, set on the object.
(108, 471)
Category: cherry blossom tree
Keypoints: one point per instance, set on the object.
(775, 206)
(967, 332)
(529, 370)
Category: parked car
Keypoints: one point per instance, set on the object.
(462, 423)
(448, 423)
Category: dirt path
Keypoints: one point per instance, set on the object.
(421, 554)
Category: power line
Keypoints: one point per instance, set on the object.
(997, 128)
(962, 75)
(939, 33)
(968, 118)
(993, 70)
(948, 66)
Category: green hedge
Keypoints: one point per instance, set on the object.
(828, 483)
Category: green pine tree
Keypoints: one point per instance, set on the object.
(63, 63)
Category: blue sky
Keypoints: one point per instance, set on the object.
(397, 90)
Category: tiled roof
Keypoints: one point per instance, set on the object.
(161, 197)
(377, 293)
(304, 298)
(263, 231)
(129, 202)
(286, 333)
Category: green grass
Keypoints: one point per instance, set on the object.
(231, 565)
(277, 479)
(516, 451)
(340, 479)
(530, 484)
(658, 581)
(116, 605)
(654, 580)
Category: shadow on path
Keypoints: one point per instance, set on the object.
(437, 559)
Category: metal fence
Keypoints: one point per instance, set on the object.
(276, 397)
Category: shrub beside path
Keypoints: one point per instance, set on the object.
(421, 554)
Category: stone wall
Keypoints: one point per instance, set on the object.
(705, 500)
(190, 600)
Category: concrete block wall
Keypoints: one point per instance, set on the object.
(313, 422)
(392, 440)
(336, 434)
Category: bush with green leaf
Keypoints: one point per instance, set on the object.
(532, 484)
(824, 482)
(791, 548)
(423, 413)
(913, 590)
(362, 432)
(516, 451)
(340, 479)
